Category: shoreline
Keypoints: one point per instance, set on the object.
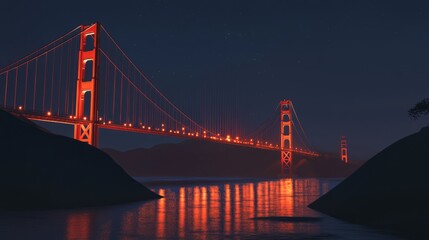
(189, 181)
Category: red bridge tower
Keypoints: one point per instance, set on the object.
(286, 136)
(88, 58)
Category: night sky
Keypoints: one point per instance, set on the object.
(351, 68)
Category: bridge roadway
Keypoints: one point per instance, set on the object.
(48, 117)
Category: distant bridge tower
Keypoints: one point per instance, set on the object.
(344, 153)
(286, 136)
(86, 130)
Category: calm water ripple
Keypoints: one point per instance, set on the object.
(218, 210)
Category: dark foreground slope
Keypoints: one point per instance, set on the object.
(42, 170)
(389, 191)
(203, 159)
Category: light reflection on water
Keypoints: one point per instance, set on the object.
(217, 211)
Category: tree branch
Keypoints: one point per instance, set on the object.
(420, 109)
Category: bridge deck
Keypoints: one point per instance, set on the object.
(159, 131)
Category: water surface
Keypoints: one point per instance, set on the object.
(214, 209)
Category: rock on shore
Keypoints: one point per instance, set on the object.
(40, 170)
(390, 191)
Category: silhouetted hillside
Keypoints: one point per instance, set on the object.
(390, 191)
(42, 170)
(198, 158)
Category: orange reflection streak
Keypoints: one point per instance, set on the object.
(214, 208)
(160, 231)
(237, 209)
(204, 209)
(227, 222)
(197, 209)
(266, 199)
(286, 197)
(254, 203)
(182, 212)
(272, 193)
(259, 201)
(190, 222)
(286, 187)
(78, 225)
(248, 197)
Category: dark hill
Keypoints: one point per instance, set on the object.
(389, 191)
(42, 170)
(203, 159)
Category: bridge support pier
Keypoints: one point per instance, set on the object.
(86, 130)
(286, 137)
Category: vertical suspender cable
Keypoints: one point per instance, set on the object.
(16, 85)
(35, 86)
(26, 81)
(59, 82)
(52, 81)
(5, 89)
(44, 83)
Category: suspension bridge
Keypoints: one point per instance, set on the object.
(85, 79)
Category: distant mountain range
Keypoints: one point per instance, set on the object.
(207, 159)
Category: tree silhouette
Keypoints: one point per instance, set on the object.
(420, 109)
